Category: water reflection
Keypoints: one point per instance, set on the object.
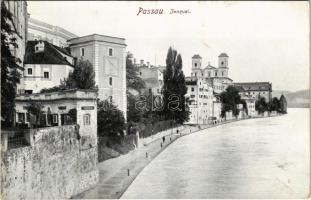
(257, 158)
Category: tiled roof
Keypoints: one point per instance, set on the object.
(196, 56)
(255, 86)
(223, 55)
(50, 55)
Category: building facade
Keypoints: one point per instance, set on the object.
(56, 107)
(39, 30)
(107, 55)
(200, 100)
(256, 90)
(218, 77)
(46, 65)
(19, 24)
(153, 78)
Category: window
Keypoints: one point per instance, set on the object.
(55, 119)
(87, 119)
(21, 117)
(222, 63)
(29, 71)
(195, 64)
(110, 80)
(222, 73)
(192, 89)
(110, 52)
(215, 73)
(37, 48)
(82, 51)
(110, 99)
(140, 73)
(209, 74)
(195, 74)
(46, 75)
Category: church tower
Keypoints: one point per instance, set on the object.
(196, 66)
(223, 60)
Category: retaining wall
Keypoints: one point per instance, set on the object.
(58, 164)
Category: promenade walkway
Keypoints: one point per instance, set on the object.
(116, 175)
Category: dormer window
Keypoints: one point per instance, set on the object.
(39, 47)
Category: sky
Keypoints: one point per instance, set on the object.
(265, 41)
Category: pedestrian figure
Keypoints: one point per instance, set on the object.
(161, 145)
(163, 139)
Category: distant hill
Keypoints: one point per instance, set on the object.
(298, 99)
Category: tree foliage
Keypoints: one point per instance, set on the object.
(230, 98)
(133, 81)
(35, 109)
(82, 77)
(261, 105)
(174, 89)
(110, 120)
(10, 66)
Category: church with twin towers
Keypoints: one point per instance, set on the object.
(218, 77)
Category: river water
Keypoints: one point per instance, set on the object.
(256, 158)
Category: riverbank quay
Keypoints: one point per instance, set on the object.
(117, 174)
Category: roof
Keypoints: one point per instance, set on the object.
(197, 56)
(97, 37)
(210, 67)
(255, 86)
(223, 55)
(50, 55)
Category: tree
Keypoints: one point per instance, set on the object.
(110, 120)
(82, 77)
(273, 104)
(261, 105)
(35, 109)
(10, 67)
(174, 89)
(133, 81)
(230, 98)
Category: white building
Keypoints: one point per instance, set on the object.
(153, 78)
(39, 30)
(107, 55)
(56, 107)
(200, 100)
(45, 66)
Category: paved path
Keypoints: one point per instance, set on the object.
(113, 173)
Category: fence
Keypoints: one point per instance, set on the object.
(146, 130)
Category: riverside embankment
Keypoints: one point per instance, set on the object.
(116, 175)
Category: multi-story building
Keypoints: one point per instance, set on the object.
(107, 54)
(46, 65)
(200, 100)
(19, 24)
(217, 77)
(39, 30)
(153, 78)
(256, 90)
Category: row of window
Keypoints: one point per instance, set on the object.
(209, 74)
(45, 74)
(110, 52)
(53, 118)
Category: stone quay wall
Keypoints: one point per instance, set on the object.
(59, 163)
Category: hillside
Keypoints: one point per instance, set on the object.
(298, 99)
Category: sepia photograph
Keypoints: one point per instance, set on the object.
(155, 100)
